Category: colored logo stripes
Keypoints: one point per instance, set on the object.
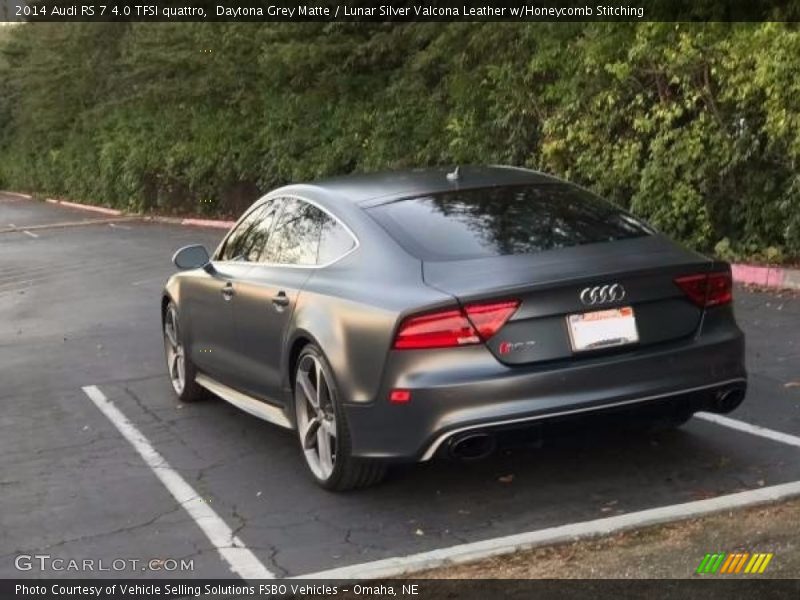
(741, 562)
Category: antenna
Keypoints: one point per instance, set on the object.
(455, 175)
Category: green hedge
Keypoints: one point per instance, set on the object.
(694, 126)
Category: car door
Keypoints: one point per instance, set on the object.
(212, 297)
(269, 291)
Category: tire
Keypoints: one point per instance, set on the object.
(180, 368)
(322, 428)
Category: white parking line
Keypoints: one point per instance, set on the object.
(770, 434)
(392, 567)
(241, 560)
(28, 233)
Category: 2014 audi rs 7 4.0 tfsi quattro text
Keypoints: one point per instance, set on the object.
(394, 316)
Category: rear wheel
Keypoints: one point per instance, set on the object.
(180, 368)
(322, 428)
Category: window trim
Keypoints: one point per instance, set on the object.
(280, 197)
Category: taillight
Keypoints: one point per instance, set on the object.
(489, 318)
(398, 396)
(707, 289)
(436, 330)
(720, 289)
(454, 326)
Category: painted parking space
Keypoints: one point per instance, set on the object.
(81, 309)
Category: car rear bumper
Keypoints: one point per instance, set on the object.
(467, 389)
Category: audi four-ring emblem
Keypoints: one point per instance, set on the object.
(602, 294)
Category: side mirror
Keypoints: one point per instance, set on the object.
(191, 257)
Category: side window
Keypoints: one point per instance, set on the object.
(295, 239)
(334, 241)
(246, 235)
(254, 244)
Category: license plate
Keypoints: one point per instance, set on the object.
(602, 329)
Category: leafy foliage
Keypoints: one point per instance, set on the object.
(696, 127)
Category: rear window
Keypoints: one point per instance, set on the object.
(504, 220)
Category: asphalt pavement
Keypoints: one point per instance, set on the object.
(79, 306)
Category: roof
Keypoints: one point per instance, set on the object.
(371, 189)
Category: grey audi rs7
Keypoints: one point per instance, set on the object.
(398, 316)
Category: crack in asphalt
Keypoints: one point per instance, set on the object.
(83, 538)
(202, 472)
(362, 547)
(235, 530)
(271, 560)
(275, 566)
(166, 424)
(140, 403)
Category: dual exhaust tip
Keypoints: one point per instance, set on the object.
(480, 444)
(472, 446)
(727, 401)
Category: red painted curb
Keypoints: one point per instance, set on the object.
(771, 277)
(215, 223)
(90, 207)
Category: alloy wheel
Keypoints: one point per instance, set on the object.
(316, 417)
(176, 365)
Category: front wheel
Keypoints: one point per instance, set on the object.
(180, 367)
(322, 428)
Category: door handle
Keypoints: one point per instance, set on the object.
(227, 291)
(280, 299)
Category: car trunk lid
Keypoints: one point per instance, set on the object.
(552, 285)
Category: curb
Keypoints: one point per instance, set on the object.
(90, 207)
(17, 194)
(207, 223)
(190, 222)
(213, 223)
(769, 277)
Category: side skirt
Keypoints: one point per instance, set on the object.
(246, 403)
